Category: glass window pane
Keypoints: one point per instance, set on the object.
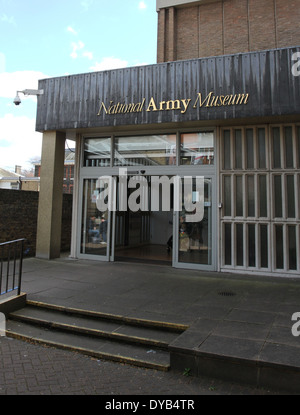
(251, 198)
(276, 148)
(239, 196)
(238, 149)
(239, 244)
(227, 195)
(197, 148)
(262, 148)
(97, 152)
(263, 206)
(152, 150)
(290, 196)
(264, 240)
(278, 196)
(94, 223)
(250, 148)
(227, 150)
(289, 162)
(279, 246)
(195, 238)
(251, 246)
(227, 229)
(292, 247)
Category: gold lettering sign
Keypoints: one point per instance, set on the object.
(210, 100)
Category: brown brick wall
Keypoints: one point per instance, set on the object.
(18, 218)
(288, 22)
(236, 33)
(262, 27)
(211, 41)
(226, 27)
(187, 33)
(161, 35)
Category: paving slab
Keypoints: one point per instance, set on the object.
(243, 318)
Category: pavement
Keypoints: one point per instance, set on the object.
(240, 334)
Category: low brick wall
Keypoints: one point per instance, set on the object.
(18, 218)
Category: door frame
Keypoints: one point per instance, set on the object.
(81, 210)
(214, 239)
(175, 251)
(207, 171)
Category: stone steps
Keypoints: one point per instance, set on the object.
(118, 338)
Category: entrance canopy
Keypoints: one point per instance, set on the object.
(258, 84)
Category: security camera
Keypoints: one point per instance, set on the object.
(17, 100)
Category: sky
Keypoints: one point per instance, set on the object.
(43, 39)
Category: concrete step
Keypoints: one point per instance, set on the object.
(137, 342)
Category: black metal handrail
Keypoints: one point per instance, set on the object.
(11, 263)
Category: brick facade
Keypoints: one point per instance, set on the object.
(226, 27)
(18, 218)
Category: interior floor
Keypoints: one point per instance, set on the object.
(145, 253)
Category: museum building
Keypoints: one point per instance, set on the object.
(221, 108)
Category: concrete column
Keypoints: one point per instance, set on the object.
(51, 194)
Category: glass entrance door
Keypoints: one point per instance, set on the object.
(165, 231)
(162, 230)
(194, 242)
(95, 241)
(146, 223)
(142, 229)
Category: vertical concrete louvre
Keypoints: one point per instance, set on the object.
(50, 200)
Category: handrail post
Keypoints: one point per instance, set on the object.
(20, 267)
(7, 268)
(1, 269)
(11, 245)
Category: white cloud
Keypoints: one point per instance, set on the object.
(142, 5)
(76, 46)
(88, 55)
(109, 63)
(86, 4)
(6, 19)
(70, 29)
(19, 141)
(10, 82)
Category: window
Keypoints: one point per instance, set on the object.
(261, 198)
(152, 150)
(97, 152)
(197, 148)
(227, 150)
